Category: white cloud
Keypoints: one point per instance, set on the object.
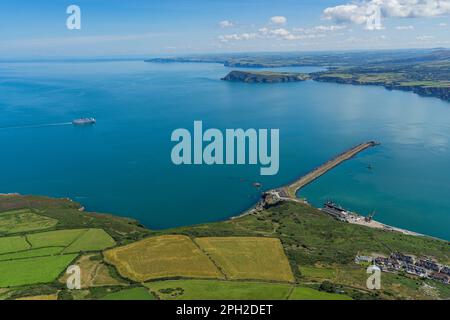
(424, 38)
(277, 32)
(226, 24)
(321, 29)
(405, 27)
(278, 20)
(329, 28)
(238, 37)
(292, 37)
(280, 33)
(263, 33)
(360, 12)
(442, 24)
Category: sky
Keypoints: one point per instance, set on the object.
(31, 28)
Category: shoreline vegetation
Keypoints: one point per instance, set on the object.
(315, 256)
(424, 72)
(265, 77)
(439, 90)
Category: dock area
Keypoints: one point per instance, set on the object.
(288, 193)
(291, 190)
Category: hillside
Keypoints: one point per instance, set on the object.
(264, 77)
(424, 72)
(290, 250)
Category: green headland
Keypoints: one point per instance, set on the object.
(312, 256)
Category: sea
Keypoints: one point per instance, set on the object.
(122, 164)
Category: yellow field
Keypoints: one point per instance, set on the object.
(162, 257)
(249, 258)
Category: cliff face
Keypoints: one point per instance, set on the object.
(425, 89)
(265, 77)
(441, 92)
(438, 92)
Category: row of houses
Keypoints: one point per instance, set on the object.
(422, 267)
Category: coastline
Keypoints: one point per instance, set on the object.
(262, 204)
(374, 224)
(289, 193)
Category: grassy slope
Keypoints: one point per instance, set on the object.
(311, 238)
(91, 240)
(235, 290)
(35, 257)
(130, 294)
(33, 270)
(17, 221)
(317, 246)
(41, 252)
(304, 293)
(217, 290)
(13, 244)
(69, 216)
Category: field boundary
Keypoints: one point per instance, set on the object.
(210, 258)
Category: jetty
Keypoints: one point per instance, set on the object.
(291, 190)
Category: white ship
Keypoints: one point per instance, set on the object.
(83, 121)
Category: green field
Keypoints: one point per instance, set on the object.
(75, 240)
(12, 244)
(318, 273)
(33, 270)
(23, 221)
(235, 290)
(304, 293)
(60, 238)
(31, 253)
(43, 262)
(91, 240)
(218, 290)
(130, 294)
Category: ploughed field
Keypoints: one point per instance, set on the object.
(289, 251)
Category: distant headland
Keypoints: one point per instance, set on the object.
(425, 72)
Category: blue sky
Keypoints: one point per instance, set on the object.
(142, 27)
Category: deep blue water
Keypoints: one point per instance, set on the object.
(122, 165)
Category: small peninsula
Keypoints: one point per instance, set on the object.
(265, 77)
(422, 71)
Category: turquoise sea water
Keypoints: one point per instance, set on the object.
(122, 165)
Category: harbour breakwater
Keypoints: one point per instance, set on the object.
(291, 190)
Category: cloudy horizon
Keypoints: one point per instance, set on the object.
(112, 28)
